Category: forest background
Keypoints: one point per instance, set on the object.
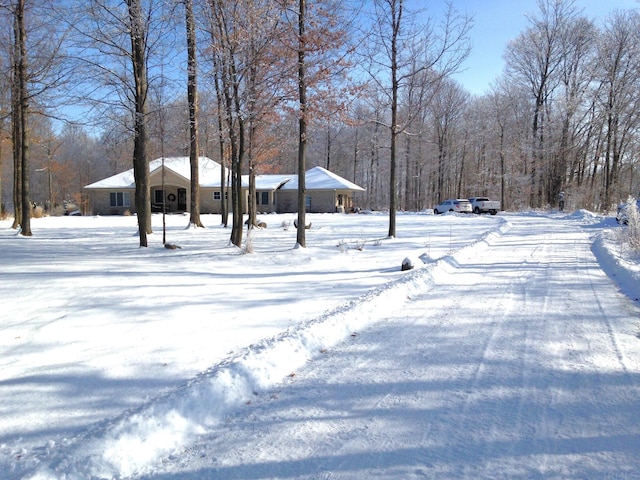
(384, 102)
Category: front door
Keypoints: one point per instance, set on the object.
(182, 199)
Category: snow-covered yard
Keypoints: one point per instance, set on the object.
(512, 352)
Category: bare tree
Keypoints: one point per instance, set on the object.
(138, 34)
(446, 112)
(396, 44)
(576, 73)
(619, 71)
(20, 120)
(224, 209)
(17, 12)
(121, 44)
(192, 95)
(535, 58)
(4, 135)
(19, 117)
(322, 46)
(35, 70)
(302, 123)
(73, 164)
(256, 50)
(226, 49)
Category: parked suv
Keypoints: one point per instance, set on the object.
(460, 205)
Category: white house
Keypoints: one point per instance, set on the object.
(170, 180)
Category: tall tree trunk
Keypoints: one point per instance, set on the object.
(220, 85)
(356, 152)
(396, 19)
(140, 161)
(537, 153)
(23, 108)
(224, 210)
(252, 207)
(16, 126)
(328, 164)
(502, 169)
(192, 98)
(2, 207)
(230, 88)
(302, 123)
(463, 159)
(238, 162)
(408, 199)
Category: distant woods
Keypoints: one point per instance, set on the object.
(89, 88)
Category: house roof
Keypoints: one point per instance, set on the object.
(268, 182)
(319, 178)
(209, 173)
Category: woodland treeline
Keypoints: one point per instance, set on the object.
(89, 88)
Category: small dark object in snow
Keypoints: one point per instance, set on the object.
(258, 224)
(407, 264)
(307, 226)
(171, 246)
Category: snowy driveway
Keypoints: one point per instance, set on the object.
(532, 371)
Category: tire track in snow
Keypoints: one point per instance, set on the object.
(541, 408)
(609, 328)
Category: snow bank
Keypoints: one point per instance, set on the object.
(610, 256)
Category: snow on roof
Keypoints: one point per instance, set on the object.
(209, 173)
(271, 182)
(319, 178)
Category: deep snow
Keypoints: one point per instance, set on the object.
(508, 351)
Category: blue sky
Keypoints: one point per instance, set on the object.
(498, 21)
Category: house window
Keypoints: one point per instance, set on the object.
(217, 195)
(158, 195)
(120, 199)
(307, 201)
(262, 198)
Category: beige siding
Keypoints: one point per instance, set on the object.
(101, 203)
(287, 201)
(322, 201)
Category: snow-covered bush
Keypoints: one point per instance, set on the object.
(354, 244)
(630, 236)
(285, 224)
(360, 243)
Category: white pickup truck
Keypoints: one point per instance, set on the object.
(484, 205)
